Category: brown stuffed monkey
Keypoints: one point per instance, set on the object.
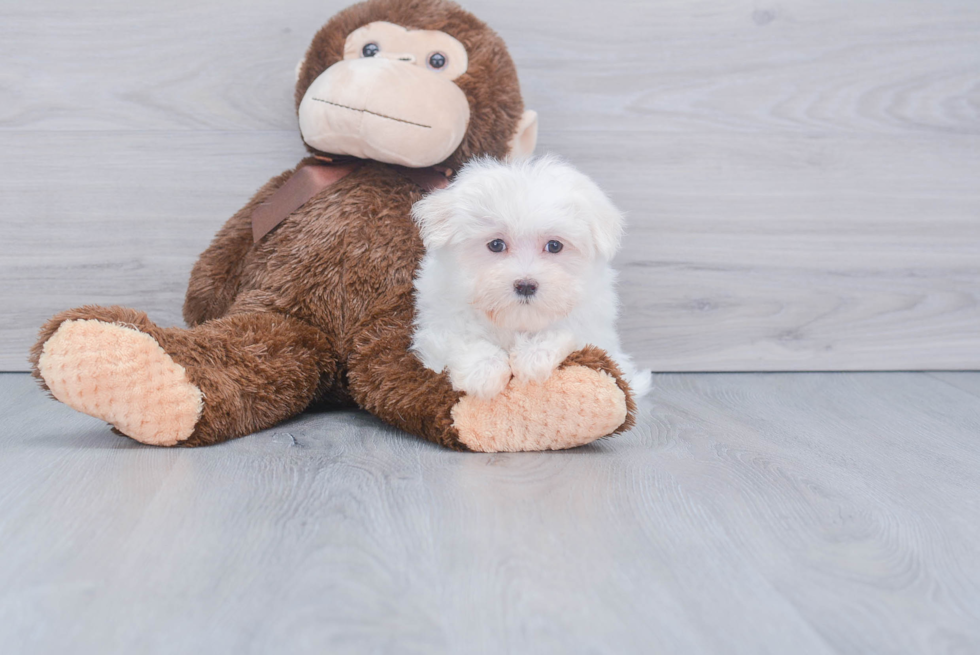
(305, 295)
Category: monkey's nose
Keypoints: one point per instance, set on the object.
(525, 288)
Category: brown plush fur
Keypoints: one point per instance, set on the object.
(320, 310)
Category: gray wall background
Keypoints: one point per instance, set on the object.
(802, 178)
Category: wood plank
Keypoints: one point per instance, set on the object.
(839, 485)
(768, 272)
(120, 225)
(801, 178)
(803, 67)
(788, 280)
(837, 511)
(965, 381)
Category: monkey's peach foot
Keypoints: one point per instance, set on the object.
(575, 406)
(122, 376)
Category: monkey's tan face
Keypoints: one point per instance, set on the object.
(392, 98)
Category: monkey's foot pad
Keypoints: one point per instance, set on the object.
(122, 376)
(575, 406)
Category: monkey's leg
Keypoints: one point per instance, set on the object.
(167, 386)
(584, 400)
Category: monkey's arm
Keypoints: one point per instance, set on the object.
(586, 398)
(216, 275)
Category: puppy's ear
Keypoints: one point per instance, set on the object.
(433, 214)
(604, 220)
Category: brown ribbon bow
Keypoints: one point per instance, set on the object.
(311, 179)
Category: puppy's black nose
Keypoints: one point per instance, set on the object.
(525, 288)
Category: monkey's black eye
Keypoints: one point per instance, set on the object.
(370, 49)
(437, 60)
(497, 245)
(554, 246)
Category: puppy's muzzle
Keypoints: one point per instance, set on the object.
(525, 288)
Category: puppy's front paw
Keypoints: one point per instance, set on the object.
(535, 358)
(482, 372)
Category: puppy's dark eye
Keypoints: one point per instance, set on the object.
(554, 246)
(437, 60)
(497, 245)
(370, 49)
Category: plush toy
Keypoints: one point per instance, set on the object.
(305, 295)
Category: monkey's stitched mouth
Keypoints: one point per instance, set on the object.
(373, 113)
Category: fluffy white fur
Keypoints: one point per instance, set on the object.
(470, 317)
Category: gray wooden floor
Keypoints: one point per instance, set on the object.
(747, 513)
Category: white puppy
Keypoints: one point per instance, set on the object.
(516, 275)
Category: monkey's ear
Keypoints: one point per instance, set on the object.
(299, 66)
(526, 138)
(433, 214)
